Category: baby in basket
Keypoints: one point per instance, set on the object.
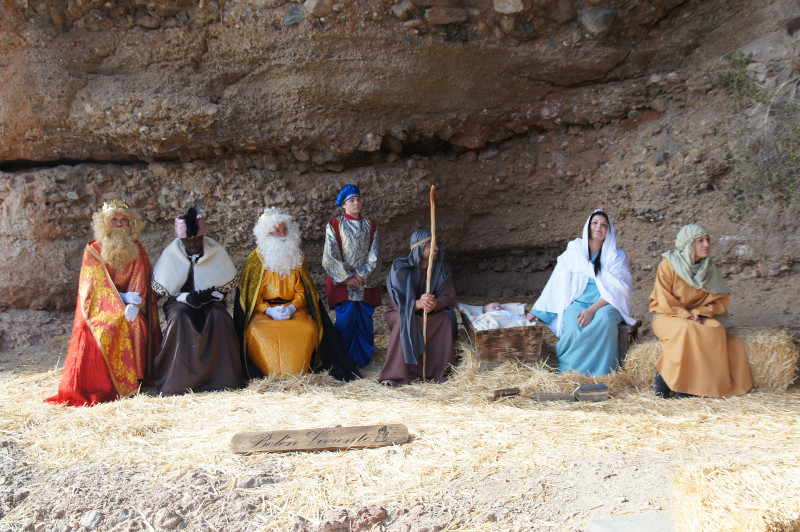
(495, 317)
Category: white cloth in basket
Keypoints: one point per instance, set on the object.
(512, 315)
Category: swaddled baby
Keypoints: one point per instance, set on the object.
(495, 317)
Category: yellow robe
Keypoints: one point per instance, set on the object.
(698, 358)
(281, 347)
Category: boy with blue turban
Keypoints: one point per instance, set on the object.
(352, 263)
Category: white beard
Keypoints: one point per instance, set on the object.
(281, 255)
(118, 247)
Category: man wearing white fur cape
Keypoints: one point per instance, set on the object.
(200, 350)
(588, 295)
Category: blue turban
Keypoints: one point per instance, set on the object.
(347, 192)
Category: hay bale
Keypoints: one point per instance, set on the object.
(760, 495)
(640, 362)
(771, 353)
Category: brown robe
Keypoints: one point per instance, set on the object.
(200, 352)
(439, 348)
(698, 358)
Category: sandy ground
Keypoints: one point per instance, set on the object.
(153, 463)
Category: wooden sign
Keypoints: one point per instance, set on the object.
(324, 439)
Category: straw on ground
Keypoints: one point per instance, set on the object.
(459, 439)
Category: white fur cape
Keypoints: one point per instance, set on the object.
(573, 271)
(214, 269)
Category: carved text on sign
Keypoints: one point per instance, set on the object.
(320, 439)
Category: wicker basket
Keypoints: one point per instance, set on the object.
(496, 346)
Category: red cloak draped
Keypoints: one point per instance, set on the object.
(108, 356)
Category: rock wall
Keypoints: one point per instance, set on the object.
(144, 80)
(526, 114)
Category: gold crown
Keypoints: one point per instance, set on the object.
(114, 205)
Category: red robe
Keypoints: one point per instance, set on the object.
(108, 356)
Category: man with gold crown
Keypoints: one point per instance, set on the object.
(115, 333)
(200, 351)
(282, 327)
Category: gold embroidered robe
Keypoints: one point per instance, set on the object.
(108, 356)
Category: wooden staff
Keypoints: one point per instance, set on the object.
(428, 285)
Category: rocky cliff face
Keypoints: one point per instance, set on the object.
(526, 114)
(127, 81)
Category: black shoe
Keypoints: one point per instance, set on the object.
(679, 395)
(660, 387)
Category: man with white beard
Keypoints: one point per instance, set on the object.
(115, 333)
(282, 328)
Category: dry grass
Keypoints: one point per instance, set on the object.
(458, 435)
(755, 495)
(771, 352)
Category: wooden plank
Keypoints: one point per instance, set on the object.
(496, 346)
(468, 326)
(591, 392)
(542, 397)
(319, 439)
(593, 397)
(505, 392)
(626, 335)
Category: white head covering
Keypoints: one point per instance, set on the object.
(573, 271)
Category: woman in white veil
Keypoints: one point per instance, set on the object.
(588, 295)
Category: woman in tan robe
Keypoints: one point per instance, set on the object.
(699, 356)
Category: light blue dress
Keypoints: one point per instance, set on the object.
(591, 350)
